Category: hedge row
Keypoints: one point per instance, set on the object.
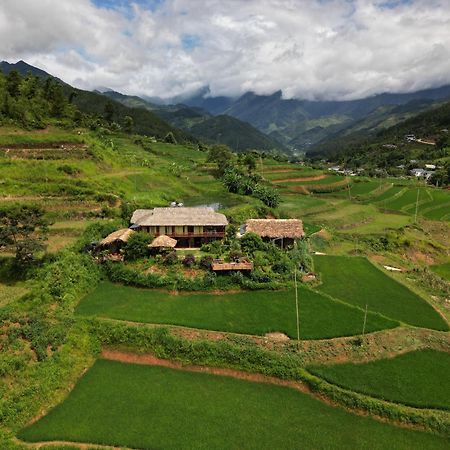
(249, 357)
(120, 273)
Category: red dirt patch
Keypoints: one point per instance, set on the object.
(151, 360)
(315, 178)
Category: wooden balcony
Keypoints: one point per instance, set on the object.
(205, 234)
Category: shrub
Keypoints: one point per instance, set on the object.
(68, 170)
(251, 242)
(137, 246)
(206, 261)
(171, 259)
(189, 260)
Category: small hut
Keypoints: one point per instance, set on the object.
(281, 231)
(116, 240)
(163, 243)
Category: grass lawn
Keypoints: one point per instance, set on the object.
(415, 379)
(443, 270)
(253, 312)
(356, 281)
(154, 407)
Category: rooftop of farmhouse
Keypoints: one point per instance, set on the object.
(276, 228)
(173, 216)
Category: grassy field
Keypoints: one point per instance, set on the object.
(416, 379)
(253, 312)
(153, 407)
(443, 270)
(356, 281)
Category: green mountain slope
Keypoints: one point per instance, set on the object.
(223, 129)
(93, 103)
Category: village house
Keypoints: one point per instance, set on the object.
(280, 231)
(190, 226)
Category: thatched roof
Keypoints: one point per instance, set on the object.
(163, 241)
(276, 228)
(178, 216)
(119, 235)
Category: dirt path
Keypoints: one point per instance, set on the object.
(151, 360)
(377, 345)
(314, 178)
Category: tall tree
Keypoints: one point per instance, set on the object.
(23, 228)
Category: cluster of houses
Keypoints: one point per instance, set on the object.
(191, 227)
(424, 173)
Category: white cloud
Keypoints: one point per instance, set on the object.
(328, 49)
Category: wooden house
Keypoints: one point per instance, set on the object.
(281, 231)
(191, 227)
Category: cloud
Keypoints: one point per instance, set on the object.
(323, 49)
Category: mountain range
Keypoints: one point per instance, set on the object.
(265, 122)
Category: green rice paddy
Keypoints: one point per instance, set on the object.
(356, 281)
(253, 312)
(154, 407)
(416, 379)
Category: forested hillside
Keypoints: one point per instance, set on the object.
(34, 98)
(222, 129)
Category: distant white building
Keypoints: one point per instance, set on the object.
(421, 173)
(430, 167)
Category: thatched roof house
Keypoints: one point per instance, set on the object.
(195, 216)
(119, 235)
(191, 227)
(284, 230)
(163, 241)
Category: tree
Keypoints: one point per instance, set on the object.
(128, 124)
(108, 112)
(13, 81)
(170, 138)
(221, 155)
(251, 242)
(23, 228)
(137, 246)
(250, 162)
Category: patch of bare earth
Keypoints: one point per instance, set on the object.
(280, 337)
(314, 178)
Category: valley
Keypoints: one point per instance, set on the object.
(103, 338)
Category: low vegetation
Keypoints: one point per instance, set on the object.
(356, 281)
(176, 409)
(414, 379)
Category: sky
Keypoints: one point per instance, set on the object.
(308, 49)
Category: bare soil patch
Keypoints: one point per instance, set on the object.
(151, 360)
(314, 178)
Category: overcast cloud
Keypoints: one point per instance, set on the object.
(324, 49)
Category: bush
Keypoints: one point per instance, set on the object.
(137, 246)
(189, 260)
(251, 242)
(171, 259)
(206, 262)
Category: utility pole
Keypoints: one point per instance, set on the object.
(417, 205)
(365, 320)
(296, 307)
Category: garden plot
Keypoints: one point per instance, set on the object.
(252, 312)
(149, 407)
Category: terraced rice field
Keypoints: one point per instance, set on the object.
(150, 407)
(356, 281)
(415, 379)
(253, 312)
